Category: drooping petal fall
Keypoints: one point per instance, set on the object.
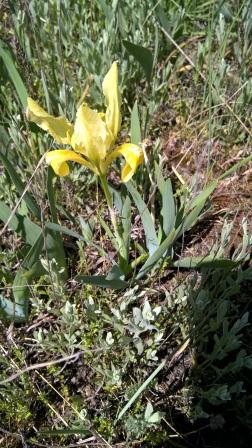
(58, 127)
(58, 160)
(113, 100)
(133, 155)
(90, 135)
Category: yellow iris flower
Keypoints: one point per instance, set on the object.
(92, 136)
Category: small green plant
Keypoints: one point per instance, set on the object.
(140, 424)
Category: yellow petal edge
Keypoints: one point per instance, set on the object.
(133, 155)
(113, 101)
(58, 160)
(58, 127)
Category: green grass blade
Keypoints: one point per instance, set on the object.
(135, 128)
(203, 195)
(196, 206)
(158, 254)
(236, 167)
(101, 281)
(34, 253)
(208, 261)
(51, 194)
(142, 55)
(4, 137)
(21, 289)
(109, 233)
(113, 280)
(141, 390)
(191, 219)
(30, 268)
(28, 198)
(21, 293)
(168, 211)
(117, 198)
(15, 77)
(126, 225)
(62, 229)
(55, 251)
(20, 224)
(146, 218)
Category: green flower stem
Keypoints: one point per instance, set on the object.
(106, 191)
(121, 246)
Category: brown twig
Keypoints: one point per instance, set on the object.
(40, 366)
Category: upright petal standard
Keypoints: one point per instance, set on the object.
(93, 135)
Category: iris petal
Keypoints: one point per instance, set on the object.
(58, 160)
(113, 100)
(133, 155)
(90, 135)
(58, 127)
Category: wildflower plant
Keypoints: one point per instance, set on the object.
(93, 135)
(91, 142)
(92, 139)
